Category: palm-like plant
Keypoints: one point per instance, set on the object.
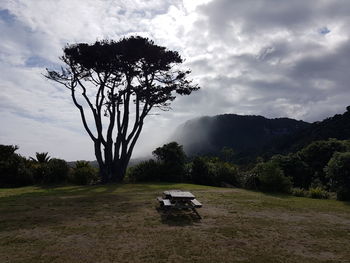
(41, 158)
(82, 164)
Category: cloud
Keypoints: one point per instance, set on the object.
(274, 58)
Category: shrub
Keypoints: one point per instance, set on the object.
(212, 171)
(338, 172)
(83, 173)
(171, 160)
(145, 171)
(57, 171)
(251, 181)
(14, 169)
(294, 167)
(201, 172)
(227, 173)
(40, 172)
(317, 155)
(299, 192)
(271, 178)
(318, 193)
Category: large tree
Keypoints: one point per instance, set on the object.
(120, 82)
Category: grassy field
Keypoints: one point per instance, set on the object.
(120, 223)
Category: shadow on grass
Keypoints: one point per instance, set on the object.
(178, 217)
(55, 206)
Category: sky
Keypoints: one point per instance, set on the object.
(253, 57)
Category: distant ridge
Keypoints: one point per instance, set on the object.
(251, 136)
(246, 135)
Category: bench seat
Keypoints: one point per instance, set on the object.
(196, 203)
(166, 203)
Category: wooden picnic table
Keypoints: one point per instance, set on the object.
(179, 200)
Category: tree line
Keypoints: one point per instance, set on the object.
(316, 170)
(16, 170)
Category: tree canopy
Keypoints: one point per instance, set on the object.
(120, 82)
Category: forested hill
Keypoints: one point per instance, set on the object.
(246, 135)
(252, 136)
(337, 127)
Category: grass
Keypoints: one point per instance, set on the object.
(121, 223)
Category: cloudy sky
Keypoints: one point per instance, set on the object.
(259, 57)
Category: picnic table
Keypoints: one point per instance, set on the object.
(179, 200)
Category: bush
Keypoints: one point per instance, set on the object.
(294, 167)
(40, 172)
(212, 171)
(14, 169)
(271, 178)
(145, 171)
(318, 193)
(251, 181)
(171, 161)
(338, 172)
(84, 174)
(299, 192)
(343, 194)
(57, 171)
(201, 173)
(227, 173)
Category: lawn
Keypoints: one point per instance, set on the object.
(121, 223)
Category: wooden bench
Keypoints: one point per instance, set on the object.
(196, 203)
(166, 203)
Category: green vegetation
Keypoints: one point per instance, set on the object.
(16, 170)
(120, 223)
(338, 172)
(270, 178)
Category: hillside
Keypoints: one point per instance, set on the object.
(337, 127)
(121, 223)
(247, 135)
(252, 136)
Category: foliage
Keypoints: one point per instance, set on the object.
(82, 163)
(318, 193)
(317, 155)
(130, 77)
(84, 174)
(57, 171)
(294, 167)
(227, 154)
(172, 161)
(145, 172)
(212, 171)
(338, 172)
(14, 169)
(271, 178)
(40, 172)
(251, 181)
(300, 192)
(41, 157)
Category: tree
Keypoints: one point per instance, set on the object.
(318, 153)
(271, 178)
(14, 169)
(172, 159)
(338, 171)
(41, 158)
(120, 82)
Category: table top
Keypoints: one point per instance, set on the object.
(179, 194)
